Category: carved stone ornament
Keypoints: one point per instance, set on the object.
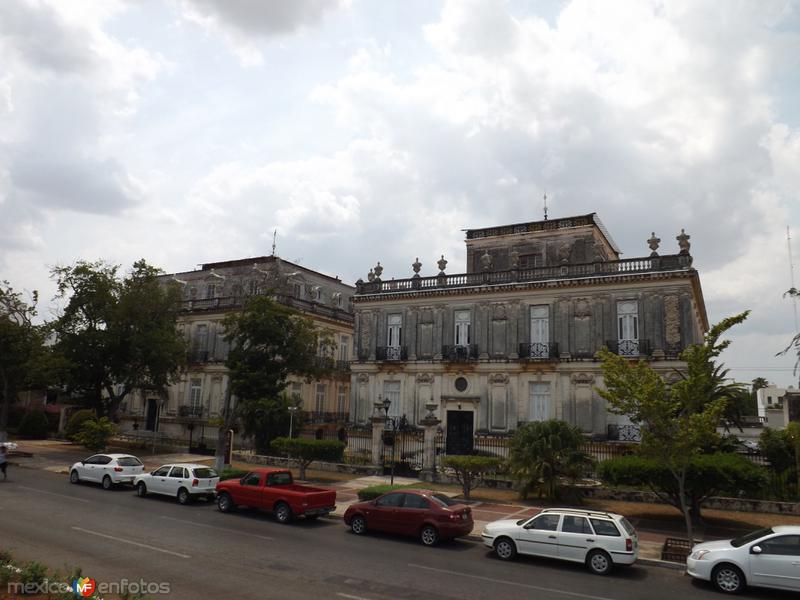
(582, 378)
(563, 252)
(513, 258)
(499, 312)
(653, 242)
(498, 378)
(442, 263)
(416, 265)
(426, 315)
(583, 309)
(371, 276)
(683, 242)
(486, 261)
(672, 320)
(363, 378)
(424, 377)
(378, 271)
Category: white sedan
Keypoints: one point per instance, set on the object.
(767, 558)
(106, 469)
(183, 481)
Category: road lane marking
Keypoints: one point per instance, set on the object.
(351, 597)
(513, 583)
(124, 541)
(261, 537)
(25, 487)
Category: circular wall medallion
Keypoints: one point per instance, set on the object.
(461, 384)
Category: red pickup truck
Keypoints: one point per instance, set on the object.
(274, 490)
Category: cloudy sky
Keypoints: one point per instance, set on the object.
(186, 131)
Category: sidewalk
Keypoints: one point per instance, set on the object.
(484, 512)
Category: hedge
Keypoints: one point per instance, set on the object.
(232, 474)
(372, 492)
(34, 425)
(76, 421)
(306, 451)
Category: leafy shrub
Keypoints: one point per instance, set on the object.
(232, 474)
(372, 492)
(34, 425)
(95, 434)
(776, 446)
(306, 451)
(33, 573)
(76, 421)
(470, 470)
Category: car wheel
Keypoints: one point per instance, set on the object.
(358, 525)
(505, 549)
(599, 562)
(728, 579)
(283, 514)
(429, 535)
(225, 503)
(107, 483)
(184, 497)
(141, 489)
(74, 477)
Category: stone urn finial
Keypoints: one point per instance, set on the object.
(442, 263)
(431, 406)
(653, 242)
(416, 266)
(486, 261)
(371, 276)
(683, 242)
(378, 270)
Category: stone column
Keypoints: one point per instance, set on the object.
(430, 423)
(378, 424)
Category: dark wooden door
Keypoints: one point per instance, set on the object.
(152, 414)
(460, 432)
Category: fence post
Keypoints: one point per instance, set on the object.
(378, 423)
(430, 423)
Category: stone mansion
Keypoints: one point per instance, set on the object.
(514, 338)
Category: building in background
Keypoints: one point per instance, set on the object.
(778, 406)
(514, 339)
(193, 406)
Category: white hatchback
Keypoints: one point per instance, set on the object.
(600, 540)
(106, 469)
(767, 558)
(184, 481)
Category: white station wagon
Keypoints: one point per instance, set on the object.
(600, 540)
(184, 481)
(767, 558)
(106, 469)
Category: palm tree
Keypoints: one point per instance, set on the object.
(543, 452)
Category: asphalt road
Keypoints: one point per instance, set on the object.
(202, 553)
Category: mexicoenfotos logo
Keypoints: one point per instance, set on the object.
(84, 587)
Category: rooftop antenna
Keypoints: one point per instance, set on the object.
(791, 276)
(274, 237)
(545, 205)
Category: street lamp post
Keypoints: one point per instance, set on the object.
(292, 410)
(396, 423)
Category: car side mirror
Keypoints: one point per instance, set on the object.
(83, 463)
(755, 550)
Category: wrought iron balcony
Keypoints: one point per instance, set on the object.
(194, 357)
(391, 353)
(466, 353)
(190, 410)
(629, 347)
(324, 417)
(538, 350)
(673, 350)
(326, 362)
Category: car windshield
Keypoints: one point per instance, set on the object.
(205, 473)
(129, 461)
(750, 537)
(443, 500)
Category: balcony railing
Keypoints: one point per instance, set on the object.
(190, 410)
(194, 357)
(612, 268)
(629, 347)
(466, 353)
(310, 417)
(326, 362)
(539, 350)
(230, 302)
(391, 353)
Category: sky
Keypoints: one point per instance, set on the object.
(188, 131)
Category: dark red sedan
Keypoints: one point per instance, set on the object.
(430, 515)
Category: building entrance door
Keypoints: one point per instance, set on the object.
(460, 432)
(152, 414)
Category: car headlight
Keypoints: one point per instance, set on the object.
(700, 554)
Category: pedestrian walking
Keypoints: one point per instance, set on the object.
(3, 461)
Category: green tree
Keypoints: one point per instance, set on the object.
(470, 470)
(305, 451)
(118, 334)
(95, 434)
(269, 342)
(25, 361)
(677, 421)
(793, 433)
(544, 452)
